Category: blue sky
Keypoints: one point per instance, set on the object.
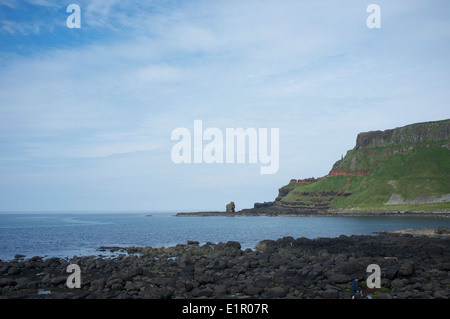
(86, 114)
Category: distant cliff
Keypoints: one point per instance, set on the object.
(406, 168)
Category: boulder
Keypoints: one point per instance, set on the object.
(218, 263)
(398, 285)
(166, 293)
(252, 290)
(220, 290)
(407, 269)
(267, 246)
(233, 245)
(262, 282)
(14, 270)
(97, 284)
(278, 292)
(135, 272)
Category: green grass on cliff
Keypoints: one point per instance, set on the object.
(402, 169)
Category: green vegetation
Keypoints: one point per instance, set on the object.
(410, 170)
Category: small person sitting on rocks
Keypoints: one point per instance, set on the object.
(356, 288)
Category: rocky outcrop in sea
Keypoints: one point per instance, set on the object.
(322, 268)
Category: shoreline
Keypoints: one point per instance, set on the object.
(412, 266)
(328, 213)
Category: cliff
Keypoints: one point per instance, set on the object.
(414, 133)
(406, 168)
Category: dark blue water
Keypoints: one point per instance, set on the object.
(69, 234)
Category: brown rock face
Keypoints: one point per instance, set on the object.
(427, 131)
(357, 173)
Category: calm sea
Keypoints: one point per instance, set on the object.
(82, 233)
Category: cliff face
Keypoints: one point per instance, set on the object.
(420, 132)
(375, 148)
(411, 163)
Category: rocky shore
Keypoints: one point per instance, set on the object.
(323, 268)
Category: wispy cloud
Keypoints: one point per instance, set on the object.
(9, 3)
(14, 28)
(44, 3)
